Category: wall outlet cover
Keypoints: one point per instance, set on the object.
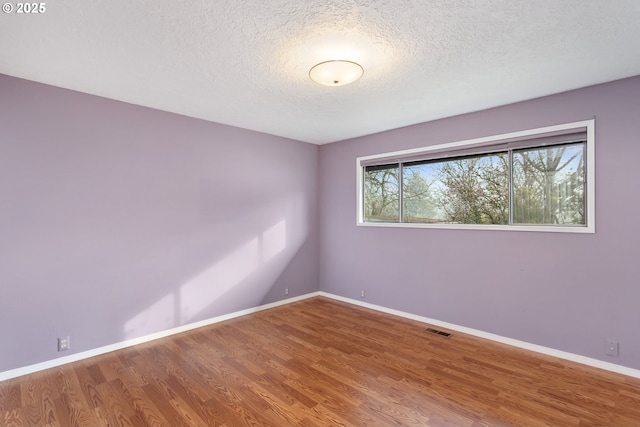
(612, 348)
(64, 343)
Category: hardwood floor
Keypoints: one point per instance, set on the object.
(320, 362)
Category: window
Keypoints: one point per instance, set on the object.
(536, 180)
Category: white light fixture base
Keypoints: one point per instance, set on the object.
(336, 72)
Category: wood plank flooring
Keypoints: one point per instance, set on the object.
(320, 362)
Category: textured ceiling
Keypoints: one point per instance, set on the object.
(245, 62)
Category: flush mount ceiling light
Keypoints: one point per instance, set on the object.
(336, 73)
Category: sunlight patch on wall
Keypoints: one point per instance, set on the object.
(159, 316)
(200, 292)
(274, 240)
(205, 288)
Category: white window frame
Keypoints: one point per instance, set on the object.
(451, 147)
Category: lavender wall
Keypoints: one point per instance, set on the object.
(117, 221)
(565, 291)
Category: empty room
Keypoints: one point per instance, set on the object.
(304, 213)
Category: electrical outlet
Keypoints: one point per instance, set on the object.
(361, 294)
(64, 344)
(613, 348)
(286, 291)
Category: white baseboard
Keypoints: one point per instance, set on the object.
(497, 338)
(612, 367)
(117, 346)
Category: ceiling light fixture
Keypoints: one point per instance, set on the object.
(336, 73)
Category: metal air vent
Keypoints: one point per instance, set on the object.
(437, 332)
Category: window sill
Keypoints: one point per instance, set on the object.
(484, 227)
